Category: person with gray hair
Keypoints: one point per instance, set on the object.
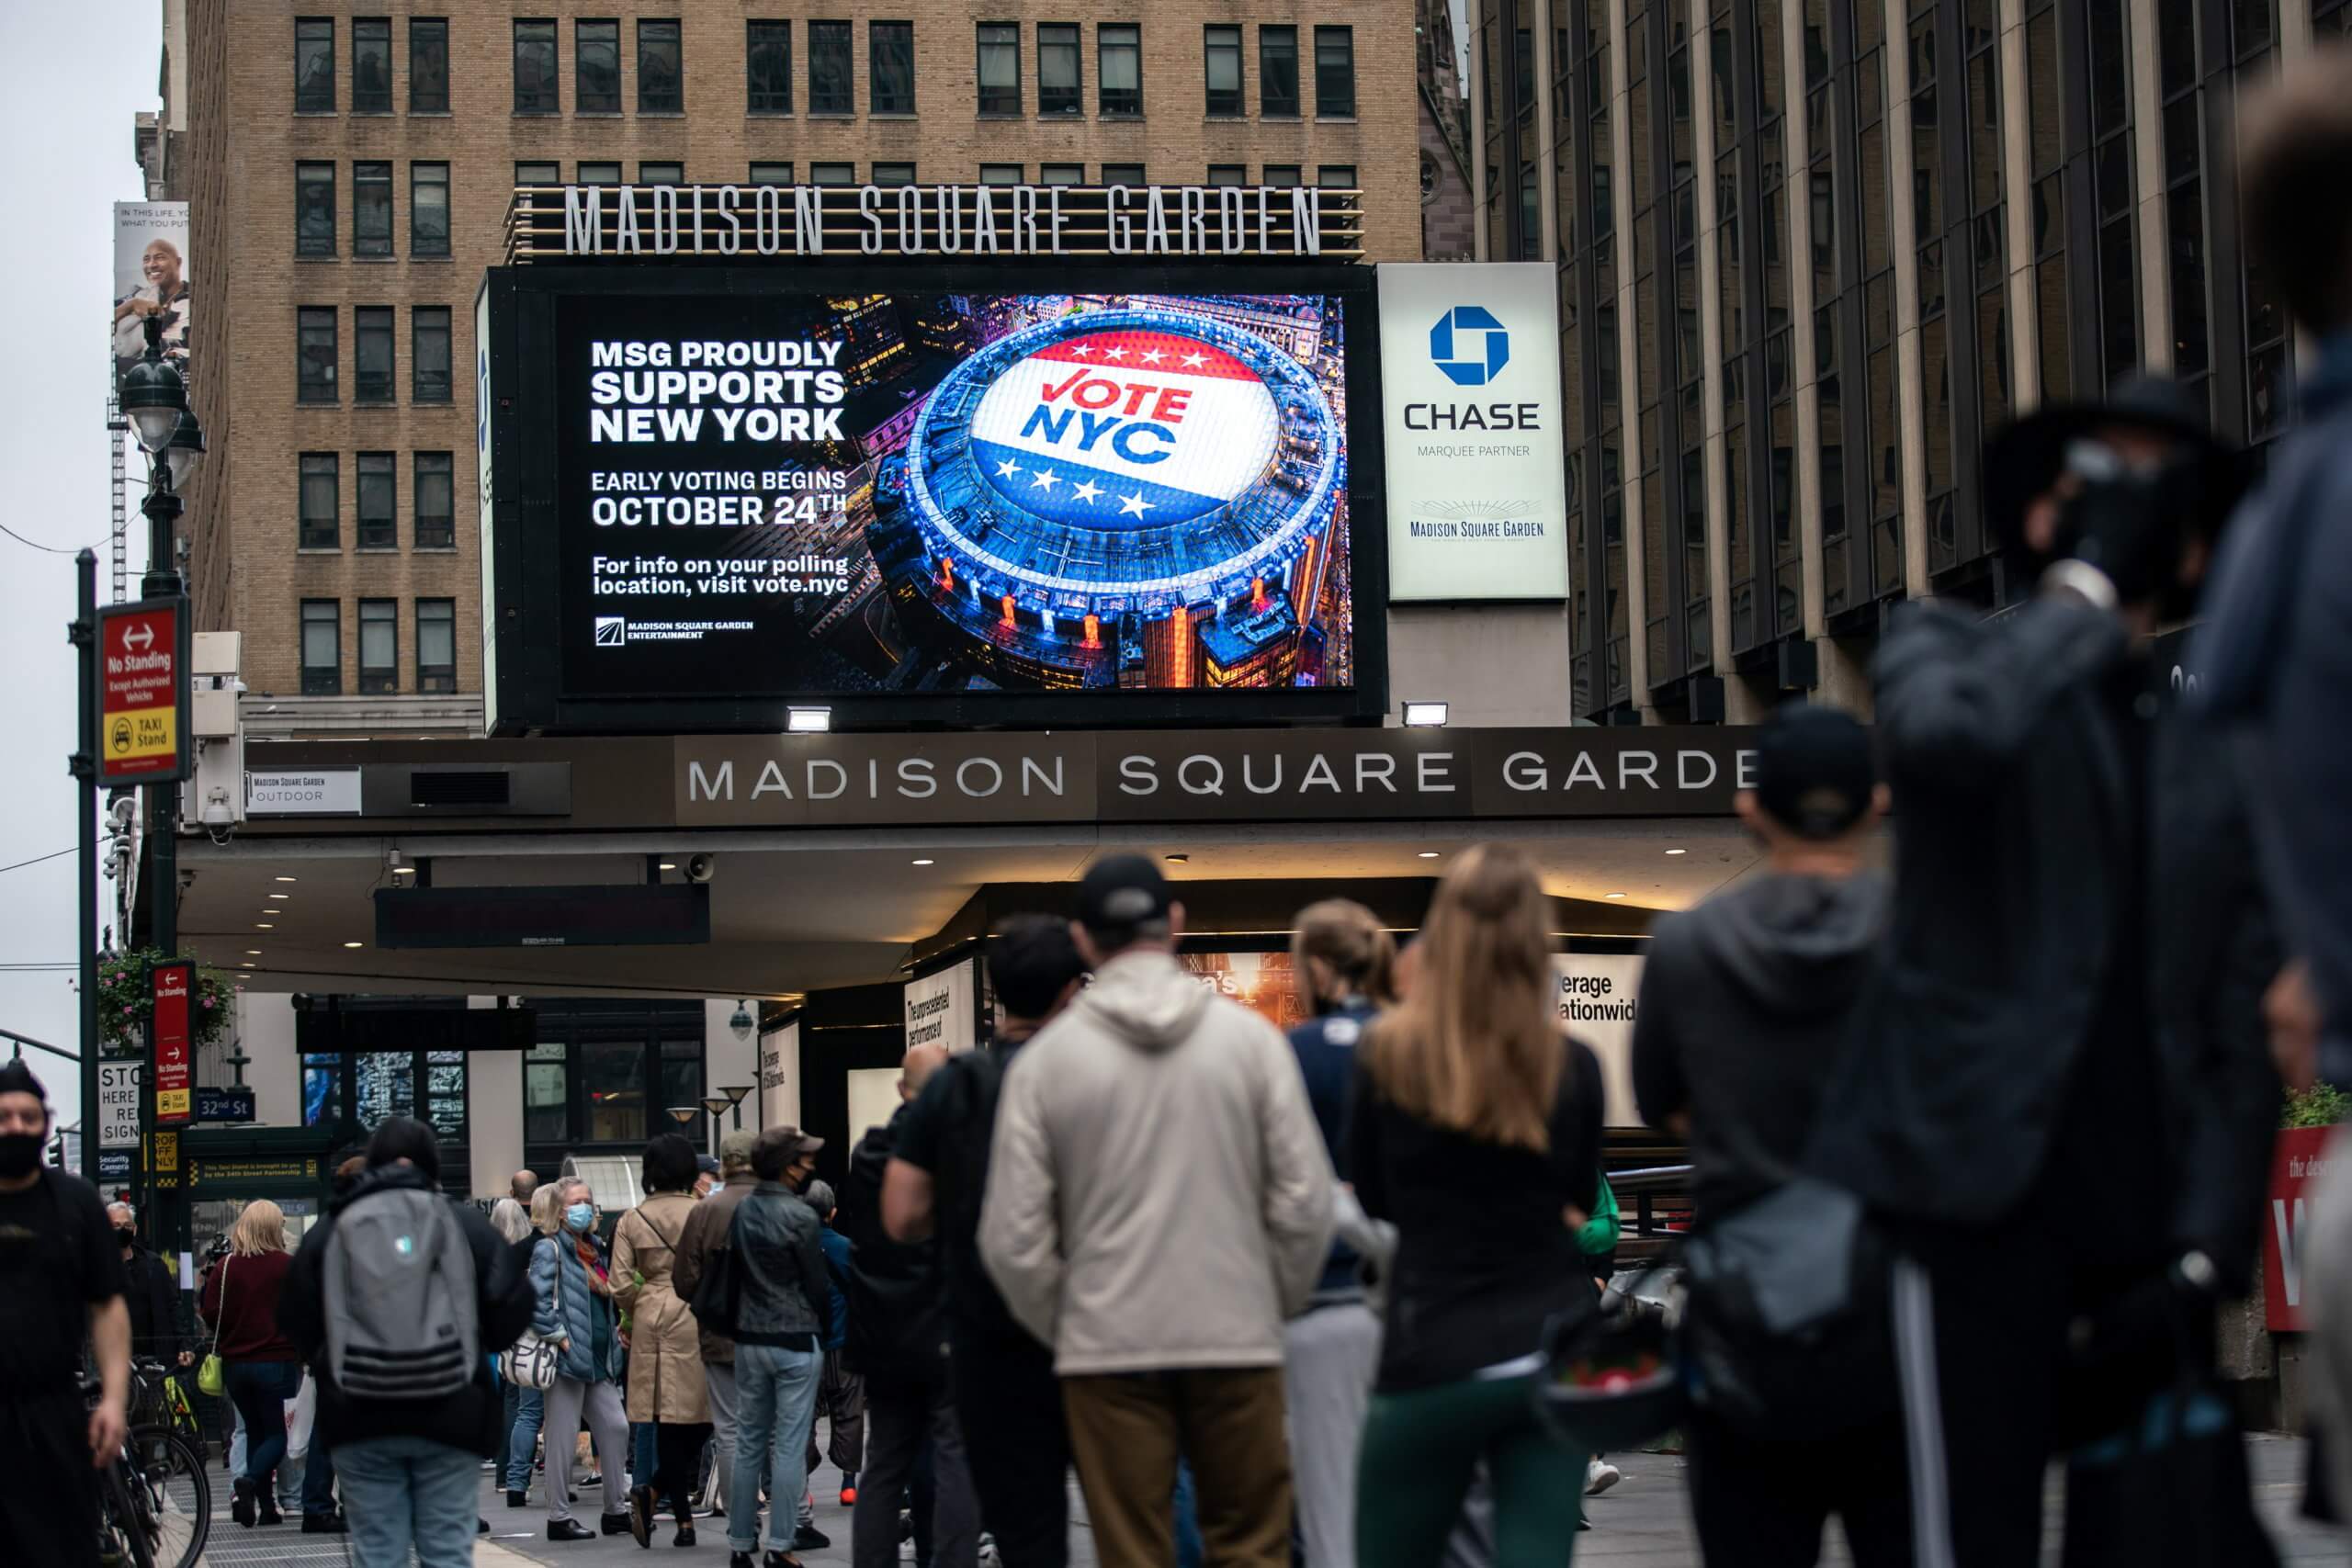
(151, 1293)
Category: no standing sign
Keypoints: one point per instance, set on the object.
(142, 693)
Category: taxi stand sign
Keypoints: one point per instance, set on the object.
(173, 988)
(144, 693)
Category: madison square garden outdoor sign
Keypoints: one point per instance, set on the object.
(747, 447)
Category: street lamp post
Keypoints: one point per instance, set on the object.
(735, 1093)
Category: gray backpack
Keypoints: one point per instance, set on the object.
(400, 1299)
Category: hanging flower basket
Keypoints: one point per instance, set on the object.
(126, 1002)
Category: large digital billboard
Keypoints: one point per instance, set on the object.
(939, 500)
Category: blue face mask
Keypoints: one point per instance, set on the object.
(580, 1216)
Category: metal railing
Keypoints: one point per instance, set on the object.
(1646, 1186)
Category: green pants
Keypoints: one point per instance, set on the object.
(1420, 1450)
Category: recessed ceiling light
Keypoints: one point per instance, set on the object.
(1678, 852)
(246, 964)
(925, 861)
(282, 879)
(1180, 860)
(363, 944)
(264, 926)
(253, 952)
(669, 866)
(1616, 895)
(281, 896)
(1428, 854)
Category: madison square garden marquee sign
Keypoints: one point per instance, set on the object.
(963, 456)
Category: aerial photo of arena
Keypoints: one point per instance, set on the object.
(1122, 491)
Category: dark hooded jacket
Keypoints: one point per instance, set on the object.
(1745, 1008)
(471, 1421)
(897, 1329)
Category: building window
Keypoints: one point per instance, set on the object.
(314, 210)
(1282, 176)
(661, 68)
(891, 64)
(380, 646)
(428, 209)
(428, 66)
(1221, 67)
(767, 68)
(771, 173)
(1336, 177)
(596, 67)
(429, 353)
(314, 65)
(841, 174)
(380, 497)
(317, 501)
(371, 65)
(436, 502)
(1061, 77)
(1278, 73)
(1000, 174)
(322, 647)
(1062, 173)
(371, 354)
(613, 1074)
(682, 1084)
(437, 644)
(1000, 67)
(1228, 174)
(316, 355)
(371, 210)
(890, 175)
(1119, 67)
(831, 77)
(1335, 72)
(1122, 175)
(547, 1072)
(599, 173)
(538, 174)
(666, 174)
(535, 72)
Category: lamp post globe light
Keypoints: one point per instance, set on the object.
(743, 1022)
(154, 394)
(185, 450)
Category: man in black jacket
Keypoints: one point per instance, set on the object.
(1746, 1003)
(2067, 1146)
(411, 1470)
(152, 1294)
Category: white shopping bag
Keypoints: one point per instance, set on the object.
(299, 1413)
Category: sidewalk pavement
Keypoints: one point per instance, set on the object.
(1642, 1522)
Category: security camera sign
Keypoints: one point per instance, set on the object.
(142, 693)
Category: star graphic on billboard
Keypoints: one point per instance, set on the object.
(1115, 353)
(1045, 479)
(1153, 357)
(1007, 468)
(1193, 359)
(1137, 505)
(1081, 348)
(1086, 492)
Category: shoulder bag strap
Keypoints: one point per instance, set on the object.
(220, 1318)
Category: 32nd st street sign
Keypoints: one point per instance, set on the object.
(142, 693)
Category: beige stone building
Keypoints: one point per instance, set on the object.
(351, 168)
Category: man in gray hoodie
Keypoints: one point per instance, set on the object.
(1159, 1201)
(1744, 1011)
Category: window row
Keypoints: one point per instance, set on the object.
(319, 501)
(371, 65)
(1331, 176)
(371, 208)
(376, 378)
(1061, 85)
(379, 668)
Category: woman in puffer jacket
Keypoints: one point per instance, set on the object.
(575, 1313)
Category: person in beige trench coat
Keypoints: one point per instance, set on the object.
(665, 1378)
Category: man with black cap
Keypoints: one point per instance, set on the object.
(61, 1282)
(2058, 1101)
(1159, 1201)
(1746, 1007)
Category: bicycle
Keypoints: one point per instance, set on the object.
(159, 1399)
(155, 1502)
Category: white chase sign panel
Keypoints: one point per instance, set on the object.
(1477, 483)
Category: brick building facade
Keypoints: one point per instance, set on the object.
(350, 173)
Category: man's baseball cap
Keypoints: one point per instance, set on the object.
(1123, 890)
(735, 1149)
(792, 1141)
(1814, 772)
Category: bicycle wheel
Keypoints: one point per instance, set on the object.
(173, 1494)
(120, 1500)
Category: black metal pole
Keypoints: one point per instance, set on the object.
(84, 638)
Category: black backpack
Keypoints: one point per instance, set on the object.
(718, 1294)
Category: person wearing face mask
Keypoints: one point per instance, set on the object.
(2058, 1101)
(570, 1279)
(61, 1282)
(151, 1294)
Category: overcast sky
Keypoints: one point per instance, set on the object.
(72, 77)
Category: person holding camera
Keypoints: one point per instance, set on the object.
(2060, 1103)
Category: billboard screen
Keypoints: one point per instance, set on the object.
(947, 496)
(151, 278)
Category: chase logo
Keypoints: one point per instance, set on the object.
(612, 631)
(1469, 346)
